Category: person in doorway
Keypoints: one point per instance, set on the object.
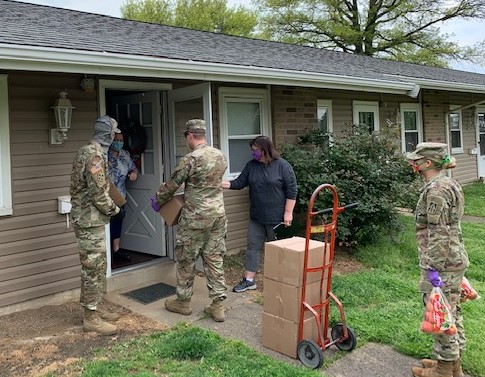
(92, 208)
(272, 196)
(202, 224)
(120, 168)
(442, 255)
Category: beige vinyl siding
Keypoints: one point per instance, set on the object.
(38, 253)
(237, 210)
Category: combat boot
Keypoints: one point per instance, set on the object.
(178, 306)
(457, 369)
(92, 322)
(107, 314)
(442, 369)
(216, 311)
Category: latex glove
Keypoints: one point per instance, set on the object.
(434, 278)
(156, 207)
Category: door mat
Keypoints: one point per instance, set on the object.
(152, 293)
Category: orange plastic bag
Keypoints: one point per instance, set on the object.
(467, 291)
(437, 315)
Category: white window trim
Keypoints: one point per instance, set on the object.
(366, 106)
(6, 180)
(225, 95)
(460, 124)
(419, 120)
(328, 104)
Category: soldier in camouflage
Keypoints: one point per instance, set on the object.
(442, 255)
(91, 210)
(202, 223)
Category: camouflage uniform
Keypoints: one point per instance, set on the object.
(440, 246)
(202, 223)
(91, 210)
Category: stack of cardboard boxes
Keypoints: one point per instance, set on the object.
(283, 280)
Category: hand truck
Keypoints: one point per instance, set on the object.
(309, 352)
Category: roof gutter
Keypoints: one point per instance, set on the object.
(18, 57)
(449, 86)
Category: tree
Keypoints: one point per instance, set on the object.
(403, 30)
(207, 15)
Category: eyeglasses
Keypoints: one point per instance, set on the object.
(186, 133)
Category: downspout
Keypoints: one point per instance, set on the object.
(447, 137)
(414, 92)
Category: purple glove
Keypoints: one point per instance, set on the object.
(434, 278)
(156, 207)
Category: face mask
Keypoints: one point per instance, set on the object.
(256, 154)
(117, 145)
(416, 166)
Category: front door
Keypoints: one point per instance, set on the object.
(143, 230)
(481, 141)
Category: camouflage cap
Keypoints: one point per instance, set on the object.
(195, 126)
(106, 123)
(436, 152)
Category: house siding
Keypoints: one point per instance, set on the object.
(38, 252)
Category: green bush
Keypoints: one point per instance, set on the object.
(365, 168)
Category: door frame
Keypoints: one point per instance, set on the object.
(480, 158)
(103, 86)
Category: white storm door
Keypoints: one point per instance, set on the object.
(481, 141)
(143, 230)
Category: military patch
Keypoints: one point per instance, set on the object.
(432, 208)
(96, 168)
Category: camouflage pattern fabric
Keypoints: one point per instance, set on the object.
(202, 222)
(440, 246)
(446, 347)
(92, 254)
(205, 239)
(90, 200)
(438, 229)
(201, 170)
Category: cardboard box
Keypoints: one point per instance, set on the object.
(284, 301)
(281, 335)
(170, 211)
(116, 195)
(284, 259)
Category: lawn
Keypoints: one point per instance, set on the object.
(381, 302)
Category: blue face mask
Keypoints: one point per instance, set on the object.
(256, 154)
(117, 145)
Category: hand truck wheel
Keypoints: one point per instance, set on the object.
(349, 343)
(310, 354)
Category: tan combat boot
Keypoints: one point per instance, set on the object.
(178, 306)
(107, 314)
(457, 370)
(92, 322)
(442, 369)
(216, 311)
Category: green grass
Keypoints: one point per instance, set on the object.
(382, 303)
(474, 199)
(189, 351)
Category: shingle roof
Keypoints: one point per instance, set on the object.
(40, 26)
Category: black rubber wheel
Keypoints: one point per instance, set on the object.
(310, 354)
(348, 344)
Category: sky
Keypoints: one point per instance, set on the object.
(465, 32)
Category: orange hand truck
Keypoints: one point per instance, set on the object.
(309, 352)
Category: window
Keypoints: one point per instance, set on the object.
(244, 115)
(366, 113)
(411, 126)
(324, 115)
(5, 181)
(456, 130)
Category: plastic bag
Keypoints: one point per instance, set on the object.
(437, 314)
(467, 291)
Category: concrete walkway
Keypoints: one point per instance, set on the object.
(243, 322)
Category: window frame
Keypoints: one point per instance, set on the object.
(326, 103)
(409, 107)
(458, 111)
(368, 107)
(235, 94)
(6, 207)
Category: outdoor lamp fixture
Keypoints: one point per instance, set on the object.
(63, 113)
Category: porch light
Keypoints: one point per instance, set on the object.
(63, 113)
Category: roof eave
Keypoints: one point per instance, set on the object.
(33, 58)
